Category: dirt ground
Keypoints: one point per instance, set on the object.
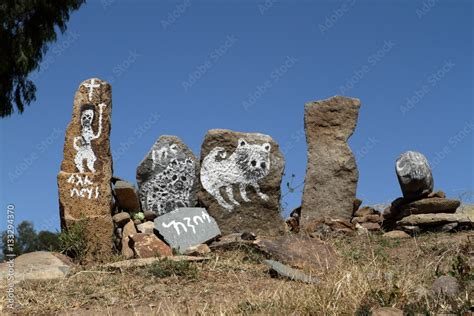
(370, 272)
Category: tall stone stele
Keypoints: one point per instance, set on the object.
(84, 182)
(331, 172)
(241, 176)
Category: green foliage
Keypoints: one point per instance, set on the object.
(26, 28)
(166, 268)
(72, 241)
(48, 241)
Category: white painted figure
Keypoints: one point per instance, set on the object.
(90, 86)
(247, 165)
(82, 144)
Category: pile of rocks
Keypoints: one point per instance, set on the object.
(367, 219)
(420, 209)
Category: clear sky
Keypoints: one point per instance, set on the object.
(251, 66)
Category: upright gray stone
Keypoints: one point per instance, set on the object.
(414, 175)
(331, 172)
(186, 227)
(168, 177)
(241, 177)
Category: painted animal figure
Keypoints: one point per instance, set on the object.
(247, 165)
(82, 144)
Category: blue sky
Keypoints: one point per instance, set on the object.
(251, 66)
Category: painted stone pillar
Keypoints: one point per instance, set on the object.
(84, 182)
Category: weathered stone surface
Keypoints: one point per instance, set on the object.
(121, 218)
(39, 265)
(438, 194)
(445, 286)
(168, 176)
(149, 215)
(434, 219)
(84, 182)
(146, 227)
(375, 218)
(127, 196)
(186, 227)
(396, 234)
(233, 240)
(371, 226)
(323, 227)
(285, 271)
(414, 175)
(141, 262)
(241, 175)
(128, 229)
(148, 245)
(331, 172)
(300, 252)
(366, 210)
(356, 204)
(198, 250)
(400, 208)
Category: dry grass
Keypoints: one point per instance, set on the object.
(370, 272)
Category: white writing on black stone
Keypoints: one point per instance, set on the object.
(82, 144)
(196, 219)
(247, 165)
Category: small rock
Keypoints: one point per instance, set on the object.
(371, 226)
(149, 215)
(231, 241)
(360, 229)
(357, 203)
(137, 222)
(127, 196)
(121, 219)
(396, 234)
(438, 194)
(445, 286)
(290, 273)
(197, 250)
(387, 311)
(128, 229)
(411, 229)
(367, 218)
(148, 245)
(366, 210)
(414, 175)
(146, 228)
(434, 219)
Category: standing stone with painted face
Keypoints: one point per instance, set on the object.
(241, 175)
(168, 176)
(84, 182)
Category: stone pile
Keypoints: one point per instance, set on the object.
(367, 218)
(420, 209)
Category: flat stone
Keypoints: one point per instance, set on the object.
(371, 227)
(38, 265)
(331, 172)
(146, 227)
(241, 176)
(438, 194)
(396, 234)
(128, 229)
(367, 218)
(141, 262)
(186, 227)
(120, 219)
(148, 245)
(198, 250)
(386, 311)
(300, 252)
(84, 182)
(364, 211)
(127, 196)
(446, 286)
(285, 271)
(434, 219)
(400, 208)
(232, 241)
(168, 176)
(414, 175)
